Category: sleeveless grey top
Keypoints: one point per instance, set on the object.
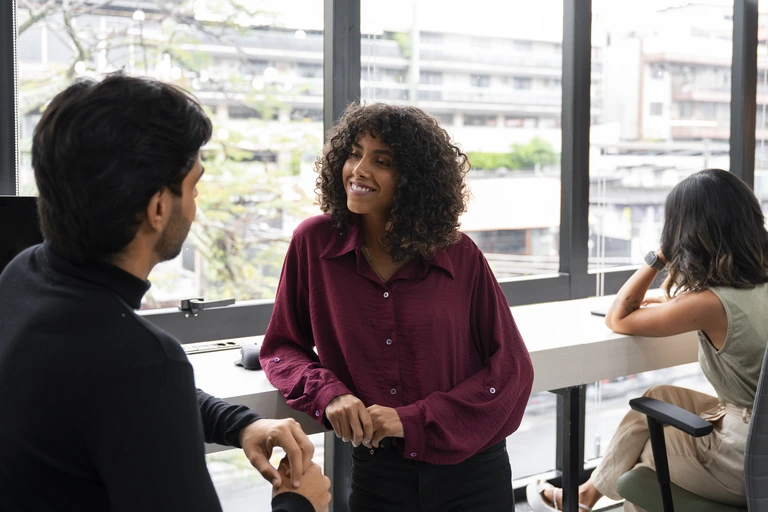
(735, 369)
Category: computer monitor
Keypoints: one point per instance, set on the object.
(19, 226)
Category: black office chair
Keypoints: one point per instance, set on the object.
(640, 485)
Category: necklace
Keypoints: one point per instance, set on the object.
(373, 265)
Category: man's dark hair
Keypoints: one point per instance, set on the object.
(101, 151)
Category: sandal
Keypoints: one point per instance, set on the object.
(536, 500)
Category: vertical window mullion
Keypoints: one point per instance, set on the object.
(576, 104)
(744, 90)
(9, 127)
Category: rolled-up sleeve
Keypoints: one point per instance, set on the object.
(449, 427)
(287, 354)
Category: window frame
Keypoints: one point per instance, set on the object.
(9, 127)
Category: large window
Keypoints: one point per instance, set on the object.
(257, 69)
(487, 79)
(761, 125)
(660, 111)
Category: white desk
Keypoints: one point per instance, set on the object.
(568, 345)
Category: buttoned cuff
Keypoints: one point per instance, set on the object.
(328, 393)
(413, 429)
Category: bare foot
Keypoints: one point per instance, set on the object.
(588, 494)
(549, 493)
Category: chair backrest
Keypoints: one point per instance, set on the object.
(756, 455)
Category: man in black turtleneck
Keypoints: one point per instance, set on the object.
(98, 407)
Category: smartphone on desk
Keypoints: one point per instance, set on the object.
(601, 311)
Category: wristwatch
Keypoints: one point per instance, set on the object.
(653, 260)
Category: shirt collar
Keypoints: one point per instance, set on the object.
(342, 244)
(129, 287)
(442, 260)
(353, 241)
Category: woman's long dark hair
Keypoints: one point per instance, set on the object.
(714, 234)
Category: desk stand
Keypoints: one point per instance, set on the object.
(571, 407)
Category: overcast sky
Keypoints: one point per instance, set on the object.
(524, 19)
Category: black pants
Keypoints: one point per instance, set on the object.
(383, 481)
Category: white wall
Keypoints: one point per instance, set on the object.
(659, 91)
(621, 81)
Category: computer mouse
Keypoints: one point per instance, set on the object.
(249, 357)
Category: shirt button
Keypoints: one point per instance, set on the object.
(393, 391)
(389, 342)
(317, 414)
(277, 359)
(386, 294)
(493, 391)
(413, 454)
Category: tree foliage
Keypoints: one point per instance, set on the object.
(251, 184)
(523, 156)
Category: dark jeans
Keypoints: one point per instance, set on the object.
(383, 481)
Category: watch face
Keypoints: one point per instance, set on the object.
(650, 258)
(653, 260)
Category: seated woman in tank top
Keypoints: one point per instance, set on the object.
(715, 247)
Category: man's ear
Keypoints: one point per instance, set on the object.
(158, 210)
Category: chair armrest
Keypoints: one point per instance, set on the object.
(673, 415)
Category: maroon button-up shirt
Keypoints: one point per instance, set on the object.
(437, 342)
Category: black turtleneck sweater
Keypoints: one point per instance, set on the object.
(98, 407)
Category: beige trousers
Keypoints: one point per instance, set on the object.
(711, 466)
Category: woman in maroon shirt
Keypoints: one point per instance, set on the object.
(419, 363)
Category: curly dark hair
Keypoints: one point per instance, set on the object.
(431, 191)
(714, 234)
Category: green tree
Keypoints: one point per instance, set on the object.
(535, 152)
(243, 199)
(489, 161)
(403, 40)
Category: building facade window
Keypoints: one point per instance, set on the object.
(431, 77)
(480, 80)
(431, 37)
(657, 71)
(522, 82)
